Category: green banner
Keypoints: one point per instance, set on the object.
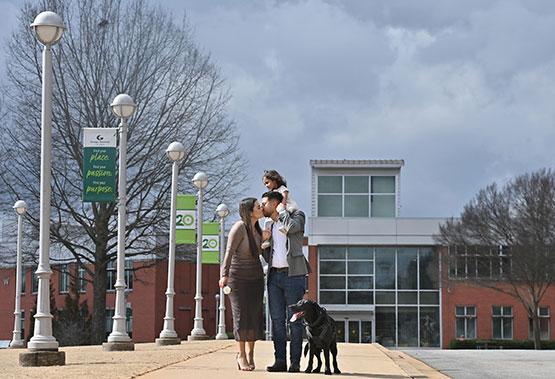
(211, 243)
(186, 217)
(99, 164)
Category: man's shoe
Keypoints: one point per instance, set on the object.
(295, 367)
(277, 367)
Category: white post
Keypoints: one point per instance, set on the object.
(17, 342)
(42, 336)
(168, 335)
(198, 331)
(222, 335)
(119, 334)
(267, 306)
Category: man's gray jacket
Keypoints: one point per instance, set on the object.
(298, 265)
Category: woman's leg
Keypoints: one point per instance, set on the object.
(250, 352)
(242, 357)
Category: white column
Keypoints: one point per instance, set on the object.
(169, 329)
(198, 329)
(42, 336)
(119, 332)
(17, 342)
(222, 335)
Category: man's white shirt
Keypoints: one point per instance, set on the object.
(279, 256)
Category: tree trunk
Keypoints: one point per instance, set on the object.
(98, 334)
(536, 329)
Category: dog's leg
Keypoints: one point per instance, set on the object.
(310, 359)
(333, 349)
(319, 365)
(327, 360)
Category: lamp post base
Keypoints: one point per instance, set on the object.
(118, 346)
(20, 344)
(198, 337)
(222, 336)
(42, 358)
(165, 341)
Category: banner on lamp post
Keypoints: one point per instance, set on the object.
(99, 164)
(186, 219)
(211, 243)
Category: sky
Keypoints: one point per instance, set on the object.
(462, 91)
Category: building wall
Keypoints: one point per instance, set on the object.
(147, 299)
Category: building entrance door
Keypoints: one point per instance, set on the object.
(354, 331)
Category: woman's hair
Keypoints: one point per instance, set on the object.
(246, 206)
(274, 175)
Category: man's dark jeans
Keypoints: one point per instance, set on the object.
(284, 290)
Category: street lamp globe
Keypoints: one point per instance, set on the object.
(200, 180)
(222, 211)
(175, 151)
(20, 207)
(48, 27)
(123, 106)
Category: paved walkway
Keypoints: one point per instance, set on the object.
(209, 360)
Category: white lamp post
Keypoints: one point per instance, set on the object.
(48, 27)
(20, 208)
(222, 211)
(200, 180)
(123, 107)
(175, 153)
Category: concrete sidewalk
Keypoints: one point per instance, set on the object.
(209, 360)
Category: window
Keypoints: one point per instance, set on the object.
(466, 322)
(545, 320)
(478, 262)
(81, 280)
(502, 322)
(109, 321)
(35, 282)
(22, 325)
(23, 272)
(108, 314)
(111, 271)
(346, 275)
(64, 278)
(129, 319)
(356, 196)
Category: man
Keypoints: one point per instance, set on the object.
(287, 270)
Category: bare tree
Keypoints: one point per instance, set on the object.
(510, 232)
(111, 47)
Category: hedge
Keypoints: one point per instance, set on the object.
(499, 344)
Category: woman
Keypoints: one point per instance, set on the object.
(242, 271)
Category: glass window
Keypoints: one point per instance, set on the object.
(383, 206)
(330, 206)
(332, 252)
(429, 327)
(111, 275)
(407, 297)
(361, 267)
(543, 313)
(428, 268)
(429, 297)
(385, 297)
(385, 268)
(332, 267)
(129, 274)
(35, 282)
(360, 252)
(354, 332)
(360, 297)
(129, 319)
(108, 314)
(82, 280)
(406, 268)
(465, 322)
(23, 272)
(330, 184)
(366, 328)
(502, 322)
(22, 325)
(407, 325)
(360, 282)
(340, 330)
(385, 326)
(356, 205)
(332, 282)
(356, 184)
(64, 278)
(332, 297)
(383, 184)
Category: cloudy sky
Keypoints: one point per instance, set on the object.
(463, 91)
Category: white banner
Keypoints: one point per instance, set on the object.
(100, 137)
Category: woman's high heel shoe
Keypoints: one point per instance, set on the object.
(242, 363)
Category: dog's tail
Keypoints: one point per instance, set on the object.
(306, 349)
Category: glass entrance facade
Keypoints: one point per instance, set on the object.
(402, 283)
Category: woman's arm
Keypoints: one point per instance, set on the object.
(234, 238)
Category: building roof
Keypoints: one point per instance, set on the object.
(357, 163)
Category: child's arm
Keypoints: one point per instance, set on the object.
(285, 197)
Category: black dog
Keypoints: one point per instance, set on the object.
(321, 333)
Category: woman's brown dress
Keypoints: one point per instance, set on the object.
(246, 280)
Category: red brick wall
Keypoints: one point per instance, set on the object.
(313, 276)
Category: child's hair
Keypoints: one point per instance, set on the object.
(275, 176)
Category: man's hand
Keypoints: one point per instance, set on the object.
(266, 234)
(223, 281)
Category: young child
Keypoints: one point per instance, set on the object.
(275, 182)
